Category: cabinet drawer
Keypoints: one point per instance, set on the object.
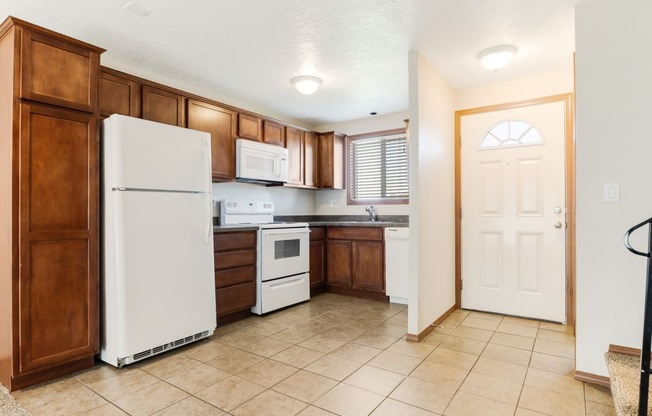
(234, 241)
(57, 72)
(317, 233)
(224, 278)
(234, 259)
(235, 298)
(356, 233)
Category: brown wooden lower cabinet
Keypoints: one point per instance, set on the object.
(235, 274)
(317, 260)
(356, 261)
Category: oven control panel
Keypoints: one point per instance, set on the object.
(243, 206)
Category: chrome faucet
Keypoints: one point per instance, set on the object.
(372, 212)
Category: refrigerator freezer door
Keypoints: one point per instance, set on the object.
(161, 263)
(142, 154)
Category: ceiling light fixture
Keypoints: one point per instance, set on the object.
(306, 84)
(497, 57)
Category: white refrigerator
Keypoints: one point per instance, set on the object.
(158, 281)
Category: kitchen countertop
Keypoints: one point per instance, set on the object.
(326, 221)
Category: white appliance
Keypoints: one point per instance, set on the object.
(260, 162)
(283, 254)
(397, 251)
(158, 282)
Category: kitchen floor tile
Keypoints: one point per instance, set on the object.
(333, 367)
(151, 399)
(465, 404)
(550, 402)
(397, 363)
(305, 386)
(356, 352)
(267, 347)
(235, 361)
(443, 374)
(391, 407)
(198, 378)
(463, 344)
(230, 393)
(297, 356)
(190, 406)
(345, 400)
(270, 403)
(374, 379)
(412, 349)
(453, 358)
(347, 356)
(423, 394)
(492, 388)
(267, 373)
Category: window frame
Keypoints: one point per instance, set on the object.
(347, 167)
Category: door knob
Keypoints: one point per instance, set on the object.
(558, 224)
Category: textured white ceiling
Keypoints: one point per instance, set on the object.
(244, 52)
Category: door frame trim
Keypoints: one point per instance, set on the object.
(569, 158)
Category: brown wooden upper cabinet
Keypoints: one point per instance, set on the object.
(57, 72)
(310, 159)
(273, 133)
(221, 124)
(331, 158)
(250, 127)
(118, 95)
(294, 144)
(163, 106)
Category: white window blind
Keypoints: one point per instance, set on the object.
(378, 168)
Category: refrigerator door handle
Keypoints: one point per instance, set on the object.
(209, 220)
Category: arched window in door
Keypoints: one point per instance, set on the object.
(511, 133)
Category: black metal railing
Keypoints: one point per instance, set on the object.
(647, 319)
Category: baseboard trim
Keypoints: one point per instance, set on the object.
(592, 378)
(625, 350)
(421, 335)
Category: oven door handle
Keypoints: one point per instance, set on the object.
(303, 232)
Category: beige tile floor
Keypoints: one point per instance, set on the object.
(343, 356)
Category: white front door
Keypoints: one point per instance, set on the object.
(513, 211)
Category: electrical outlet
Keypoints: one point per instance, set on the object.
(332, 203)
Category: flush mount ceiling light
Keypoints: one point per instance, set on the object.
(497, 57)
(306, 84)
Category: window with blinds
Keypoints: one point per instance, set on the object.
(378, 169)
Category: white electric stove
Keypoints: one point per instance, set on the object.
(283, 253)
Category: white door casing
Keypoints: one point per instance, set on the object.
(513, 215)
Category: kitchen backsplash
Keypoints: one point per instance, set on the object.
(287, 201)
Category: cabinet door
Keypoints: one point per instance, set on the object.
(58, 277)
(250, 127)
(294, 144)
(331, 158)
(369, 265)
(220, 123)
(273, 133)
(310, 158)
(317, 262)
(57, 72)
(163, 106)
(339, 267)
(119, 95)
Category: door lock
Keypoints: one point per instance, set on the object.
(556, 210)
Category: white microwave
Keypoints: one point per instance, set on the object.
(260, 162)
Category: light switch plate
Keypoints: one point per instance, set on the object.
(332, 203)
(611, 192)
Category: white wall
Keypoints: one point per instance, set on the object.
(516, 89)
(432, 195)
(361, 126)
(287, 201)
(613, 67)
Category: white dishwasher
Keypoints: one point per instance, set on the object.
(397, 247)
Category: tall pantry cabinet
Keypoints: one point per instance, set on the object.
(49, 204)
